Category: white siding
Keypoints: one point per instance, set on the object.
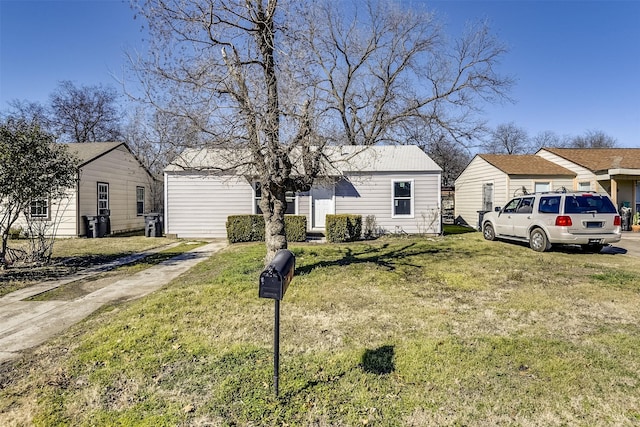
(123, 173)
(583, 174)
(365, 194)
(529, 182)
(469, 185)
(198, 204)
(61, 211)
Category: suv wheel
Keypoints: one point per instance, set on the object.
(538, 240)
(488, 232)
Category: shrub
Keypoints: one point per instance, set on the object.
(250, 228)
(15, 232)
(343, 228)
(296, 228)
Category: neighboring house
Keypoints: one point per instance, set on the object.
(111, 181)
(615, 171)
(398, 185)
(489, 181)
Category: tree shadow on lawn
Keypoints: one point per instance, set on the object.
(383, 256)
(378, 361)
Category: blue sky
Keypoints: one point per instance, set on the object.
(576, 63)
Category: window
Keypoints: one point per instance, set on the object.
(290, 196)
(39, 209)
(103, 198)
(402, 198)
(540, 187)
(588, 204)
(526, 205)
(487, 196)
(549, 205)
(511, 206)
(584, 186)
(139, 201)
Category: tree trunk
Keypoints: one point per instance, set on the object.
(274, 205)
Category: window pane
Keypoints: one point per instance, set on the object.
(487, 196)
(402, 207)
(550, 205)
(542, 186)
(139, 200)
(402, 189)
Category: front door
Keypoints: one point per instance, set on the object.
(321, 204)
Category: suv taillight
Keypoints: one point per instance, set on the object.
(617, 221)
(563, 221)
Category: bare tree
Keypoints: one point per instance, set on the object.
(451, 157)
(592, 139)
(156, 138)
(29, 112)
(275, 82)
(85, 113)
(508, 139)
(383, 71)
(546, 138)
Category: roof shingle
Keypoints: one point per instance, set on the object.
(527, 164)
(600, 159)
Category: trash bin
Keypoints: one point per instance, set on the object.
(480, 218)
(153, 225)
(91, 225)
(104, 225)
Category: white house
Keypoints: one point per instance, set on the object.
(489, 181)
(398, 185)
(110, 181)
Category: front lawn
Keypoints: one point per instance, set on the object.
(395, 332)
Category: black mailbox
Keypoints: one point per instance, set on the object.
(275, 279)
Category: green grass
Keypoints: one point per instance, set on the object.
(410, 332)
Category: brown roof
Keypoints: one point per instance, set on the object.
(600, 159)
(527, 164)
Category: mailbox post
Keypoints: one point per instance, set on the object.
(274, 281)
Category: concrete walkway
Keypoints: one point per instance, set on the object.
(26, 324)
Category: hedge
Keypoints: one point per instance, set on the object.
(343, 228)
(250, 228)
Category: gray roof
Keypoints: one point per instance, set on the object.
(340, 159)
(88, 151)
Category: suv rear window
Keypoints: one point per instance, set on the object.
(549, 204)
(588, 204)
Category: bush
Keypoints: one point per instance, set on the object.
(250, 228)
(296, 228)
(343, 228)
(15, 232)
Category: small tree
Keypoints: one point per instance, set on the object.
(32, 169)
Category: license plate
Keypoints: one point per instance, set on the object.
(596, 241)
(593, 224)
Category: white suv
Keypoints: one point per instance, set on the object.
(542, 219)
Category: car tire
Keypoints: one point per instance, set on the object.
(488, 232)
(538, 240)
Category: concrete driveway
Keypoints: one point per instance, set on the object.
(628, 245)
(26, 324)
